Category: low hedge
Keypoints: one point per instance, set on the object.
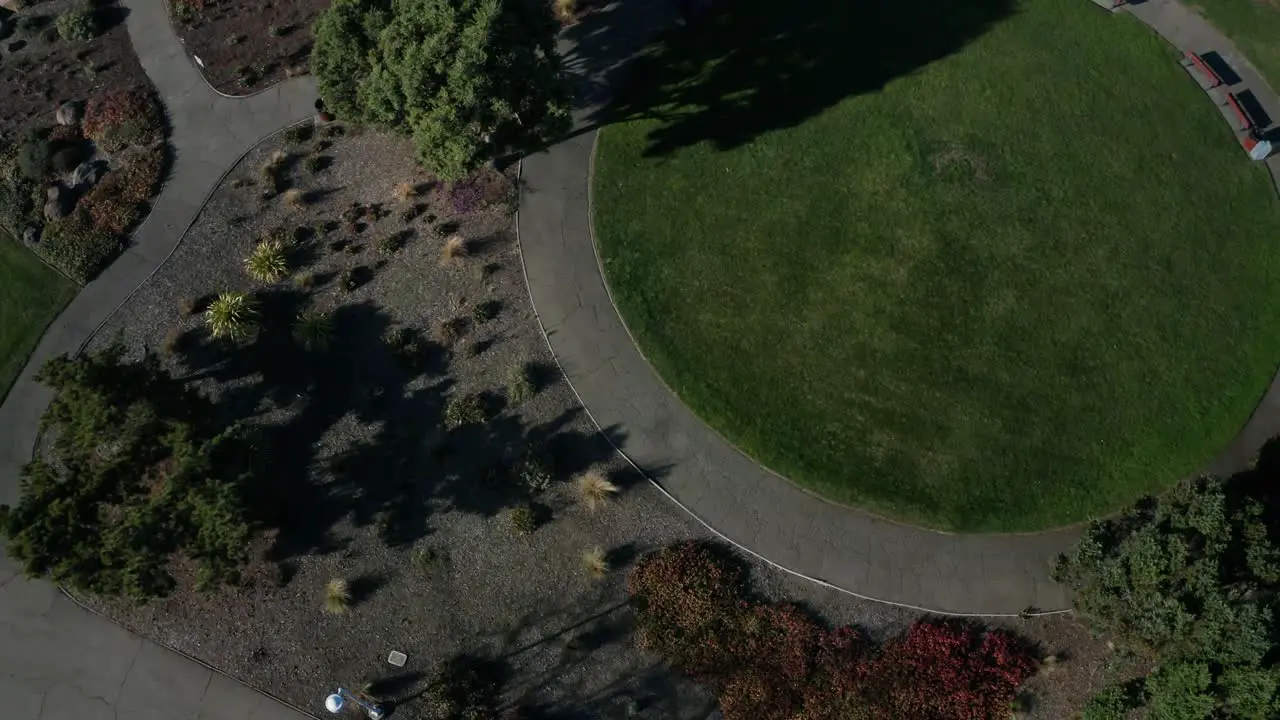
(76, 247)
(774, 662)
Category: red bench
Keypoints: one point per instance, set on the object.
(1199, 63)
(1241, 115)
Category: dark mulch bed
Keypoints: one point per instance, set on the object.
(247, 46)
(370, 488)
(39, 70)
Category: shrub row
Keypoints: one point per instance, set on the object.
(76, 247)
(774, 662)
(1190, 583)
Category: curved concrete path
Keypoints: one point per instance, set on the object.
(727, 491)
(57, 660)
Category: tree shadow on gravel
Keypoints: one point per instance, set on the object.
(748, 67)
(411, 467)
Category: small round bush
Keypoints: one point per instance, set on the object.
(464, 410)
(231, 315)
(79, 25)
(313, 330)
(523, 520)
(268, 263)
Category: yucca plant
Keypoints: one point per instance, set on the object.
(596, 563)
(337, 596)
(231, 315)
(269, 261)
(595, 489)
(313, 330)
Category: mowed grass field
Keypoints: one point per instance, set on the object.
(981, 267)
(31, 296)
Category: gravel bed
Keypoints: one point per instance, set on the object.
(367, 494)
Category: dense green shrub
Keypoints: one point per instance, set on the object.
(34, 154)
(20, 196)
(76, 247)
(77, 25)
(1188, 579)
(466, 79)
(140, 471)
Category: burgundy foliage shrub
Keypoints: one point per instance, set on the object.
(775, 662)
(117, 118)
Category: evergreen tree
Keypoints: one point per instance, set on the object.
(136, 472)
(466, 79)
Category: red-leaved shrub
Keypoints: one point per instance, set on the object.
(115, 203)
(117, 118)
(774, 662)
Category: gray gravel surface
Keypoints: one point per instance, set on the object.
(366, 481)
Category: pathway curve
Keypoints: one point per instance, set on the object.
(733, 495)
(58, 661)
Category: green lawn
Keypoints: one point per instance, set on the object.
(31, 296)
(1029, 279)
(1254, 26)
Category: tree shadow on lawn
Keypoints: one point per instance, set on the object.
(750, 67)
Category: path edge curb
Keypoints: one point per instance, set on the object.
(168, 12)
(192, 658)
(657, 485)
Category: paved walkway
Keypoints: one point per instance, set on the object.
(1186, 30)
(57, 661)
(745, 503)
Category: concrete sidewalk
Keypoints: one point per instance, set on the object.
(744, 502)
(61, 662)
(58, 661)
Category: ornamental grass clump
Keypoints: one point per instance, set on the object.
(520, 385)
(337, 596)
(269, 261)
(313, 330)
(596, 563)
(231, 315)
(595, 490)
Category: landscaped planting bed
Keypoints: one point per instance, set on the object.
(247, 46)
(62, 62)
(375, 476)
(949, 267)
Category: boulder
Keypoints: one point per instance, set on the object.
(87, 174)
(31, 236)
(69, 113)
(55, 206)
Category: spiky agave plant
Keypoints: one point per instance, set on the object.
(231, 315)
(269, 261)
(312, 330)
